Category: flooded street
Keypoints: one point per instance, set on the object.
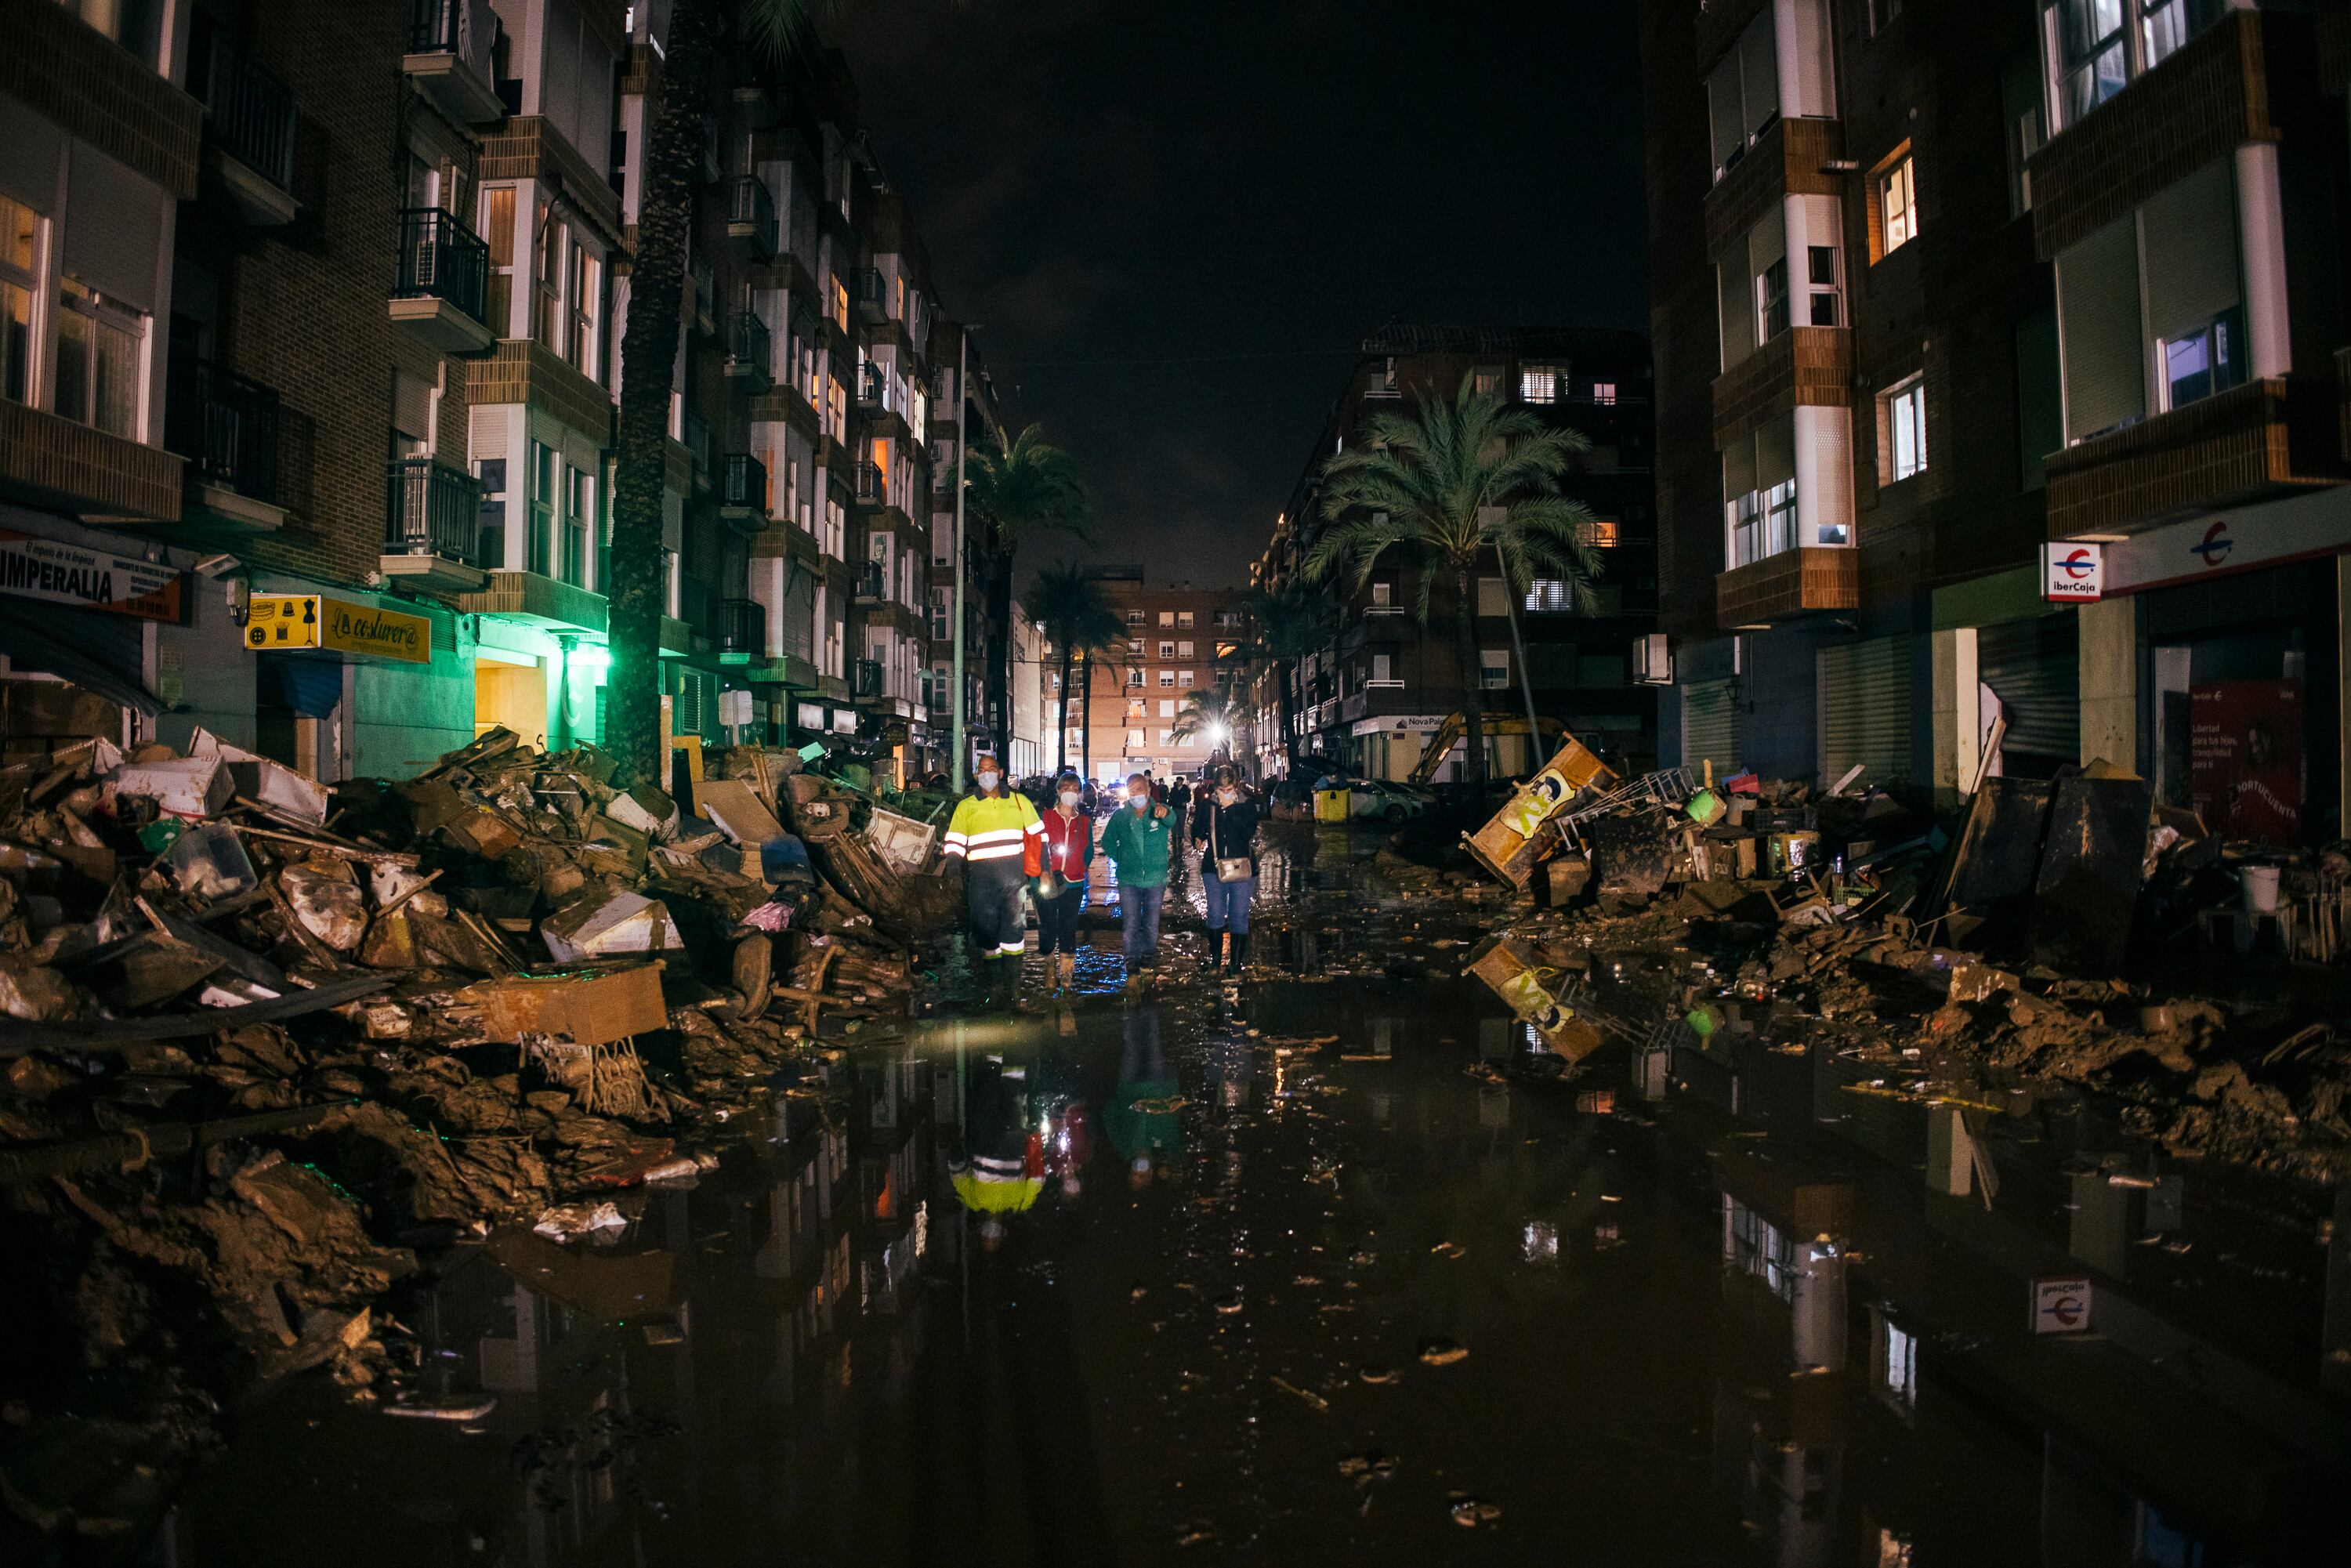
(1332, 1267)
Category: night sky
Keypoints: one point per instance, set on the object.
(1177, 222)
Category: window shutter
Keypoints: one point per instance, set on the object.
(1739, 469)
(1775, 453)
(2098, 325)
(1864, 709)
(114, 229)
(1724, 114)
(1736, 309)
(1709, 727)
(1758, 71)
(28, 157)
(411, 406)
(2034, 667)
(1767, 242)
(2191, 251)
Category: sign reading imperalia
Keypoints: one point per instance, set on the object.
(61, 573)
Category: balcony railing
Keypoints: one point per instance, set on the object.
(225, 426)
(872, 485)
(706, 289)
(431, 509)
(873, 295)
(742, 627)
(873, 386)
(872, 580)
(872, 679)
(748, 344)
(441, 259)
(743, 483)
(751, 213)
(251, 112)
(462, 27)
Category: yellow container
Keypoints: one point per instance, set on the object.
(1332, 805)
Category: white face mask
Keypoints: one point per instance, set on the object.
(1139, 801)
(1068, 797)
(988, 780)
(1226, 797)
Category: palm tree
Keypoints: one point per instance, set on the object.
(1448, 487)
(1074, 613)
(1291, 621)
(677, 95)
(1019, 487)
(1211, 715)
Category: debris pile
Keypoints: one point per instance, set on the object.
(267, 1041)
(2064, 931)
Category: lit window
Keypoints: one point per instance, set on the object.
(2208, 360)
(1538, 386)
(1772, 300)
(1167, 679)
(1550, 596)
(18, 287)
(1134, 617)
(1184, 676)
(1485, 380)
(1897, 200)
(1166, 708)
(1601, 534)
(2171, 23)
(1166, 649)
(1905, 430)
(1182, 650)
(1821, 268)
(1183, 618)
(1167, 618)
(1604, 392)
(1493, 668)
(97, 361)
(2092, 56)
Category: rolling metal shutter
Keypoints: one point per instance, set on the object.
(2033, 666)
(1865, 707)
(2191, 251)
(1709, 727)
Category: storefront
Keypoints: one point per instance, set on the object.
(348, 685)
(79, 632)
(1389, 747)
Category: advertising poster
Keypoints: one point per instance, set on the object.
(2244, 758)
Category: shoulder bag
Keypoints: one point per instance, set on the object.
(1230, 868)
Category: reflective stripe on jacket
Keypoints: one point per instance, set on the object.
(991, 827)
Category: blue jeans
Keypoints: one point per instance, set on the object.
(1138, 911)
(1229, 902)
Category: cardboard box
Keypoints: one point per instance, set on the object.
(587, 1006)
(736, 810)
(598, 926)
(184, 786)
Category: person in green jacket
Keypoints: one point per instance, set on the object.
(1136, 840)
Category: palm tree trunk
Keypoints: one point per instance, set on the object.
(1526, 675)
(1061, 753)
(1086, 718)
(636, 592)
(1473, 712)
(1285, 705)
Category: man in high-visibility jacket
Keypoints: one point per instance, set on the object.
(991, 831)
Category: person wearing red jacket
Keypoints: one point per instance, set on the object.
(1059, 862)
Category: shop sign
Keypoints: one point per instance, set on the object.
(1400, 724)
(2219, 544)
(2061, 1303)
(60, 573)
(2073, 572)
(291, 620)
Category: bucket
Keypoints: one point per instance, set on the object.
(2261, 889)
(1705, 808)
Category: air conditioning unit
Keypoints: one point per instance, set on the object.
(1653, 661)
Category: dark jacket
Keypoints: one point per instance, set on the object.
(1231, 829)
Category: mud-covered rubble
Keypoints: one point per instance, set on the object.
(1955, 958)
(269, 1048)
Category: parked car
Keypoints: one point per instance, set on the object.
(1384, 800)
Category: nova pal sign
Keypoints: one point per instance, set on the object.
(2073, 572)
(285, 621)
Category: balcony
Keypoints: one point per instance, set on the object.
(750, 353)
(1791, 158)
(705, 296)
(872, 388)
(873, 485)
(871, 681)
(871, 293)
(710, 168)
(226, 427)
(450, 46)
(742, 629)
(697, 448)
(873, 581)
(751, 218)
(743, 492)
(442, 276)
(50, 461)
(431, 523)
(1784, 586)
(2262, 437)
(249, 120)
(1802, 367)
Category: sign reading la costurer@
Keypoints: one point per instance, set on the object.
(51, 569)
(289, 621)
(2073, 571)
(2061, 1303)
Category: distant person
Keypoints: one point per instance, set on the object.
(1137, 842)
(1179, 801)
(991, 831)
(1224, 824)
(1057, 863)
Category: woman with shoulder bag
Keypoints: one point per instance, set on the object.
(1224, 824)
(1059, 862)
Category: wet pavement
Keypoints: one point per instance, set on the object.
(1331, 1267)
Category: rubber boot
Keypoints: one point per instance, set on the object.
(1241, 951)
(1211, 953)
(1066, 969)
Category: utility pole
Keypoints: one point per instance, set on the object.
(963, 444)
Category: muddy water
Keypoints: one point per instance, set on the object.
(1333, 1269)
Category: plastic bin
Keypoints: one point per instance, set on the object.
(1334, 805)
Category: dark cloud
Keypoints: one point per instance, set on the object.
(1177, 220)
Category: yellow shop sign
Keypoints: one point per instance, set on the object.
(291, 620)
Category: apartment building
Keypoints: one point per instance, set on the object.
(1180, 640)
(378, 414)
(1997, 353)
(1036, 703)
(1370, 700)
(986, 567)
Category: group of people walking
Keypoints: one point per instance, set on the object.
(1010, 849)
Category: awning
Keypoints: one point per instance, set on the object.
(35, 649)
